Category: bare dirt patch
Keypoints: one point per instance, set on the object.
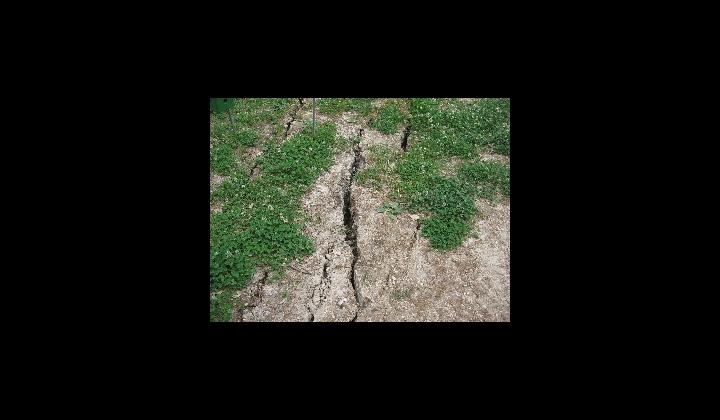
(402, 279)
(495, 157)
(373, 137)
(216, 180)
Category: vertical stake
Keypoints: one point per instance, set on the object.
(313, 116)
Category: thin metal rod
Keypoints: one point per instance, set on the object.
(313, 115)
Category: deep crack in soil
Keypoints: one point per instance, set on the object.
(293, 115)
(404, 141)
(350, 222)
(261, 284)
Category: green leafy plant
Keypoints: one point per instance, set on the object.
(222, 159)
(388, 118)
(253, 112)
(246, 137)
(221, 307)
(452, 206)
(392, 209)
(446, 129)
(488, 177)
(233, 132)
(231, 265)
(456, 128)
(333, 106)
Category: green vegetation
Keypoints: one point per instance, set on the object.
(229, 139)
(462, 129)
(248, 115)
(222, 159)
(392, 209)
(381, 160)
(488, 177)
(450, 202)
(221, 307)
(388, 118)
(334, 106)
(443, 130)
(259, 222)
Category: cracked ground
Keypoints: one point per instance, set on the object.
(366, 264)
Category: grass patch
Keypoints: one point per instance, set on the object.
(221, 307)
(254, 112)
(259, 224)
(246, 137)
(452, 205)
(222, 159)
(451, 127)
(446, 129)
(490, 178)
(380, 165)
(388, 118)
(334, 106)
(249, 115)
